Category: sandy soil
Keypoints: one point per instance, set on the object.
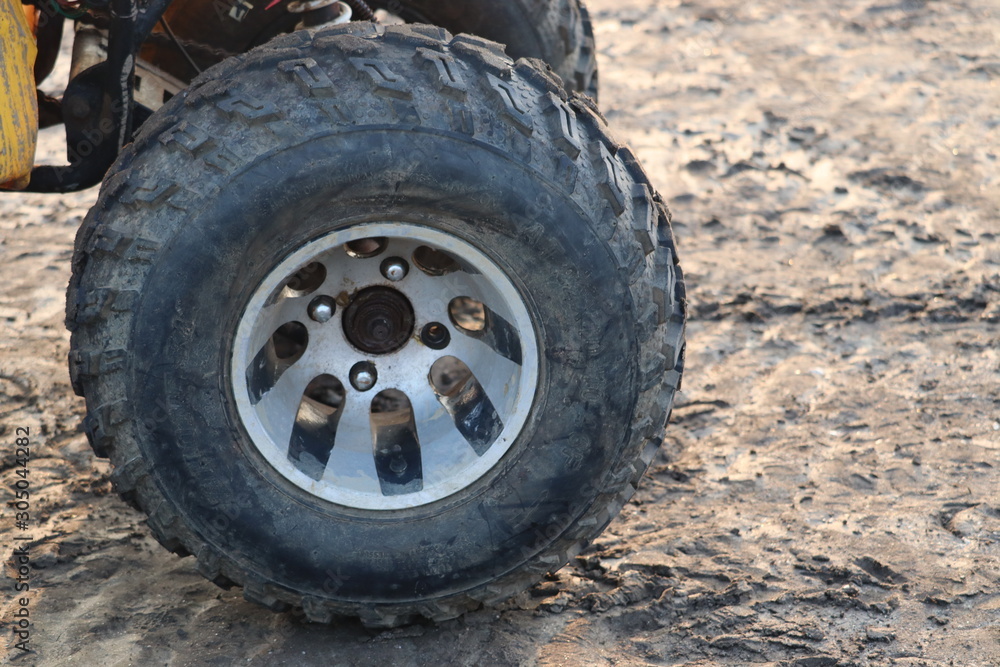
(828, 492)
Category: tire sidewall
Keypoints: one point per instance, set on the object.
(192, 301)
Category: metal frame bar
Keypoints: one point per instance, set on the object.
(113, 84)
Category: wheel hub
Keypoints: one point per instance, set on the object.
(379, 320)
(356, 413)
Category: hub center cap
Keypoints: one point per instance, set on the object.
(379, 320)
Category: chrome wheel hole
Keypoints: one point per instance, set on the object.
(467, 314)
(365, 248)
(290, 341)
(434, 262)
(305, 281)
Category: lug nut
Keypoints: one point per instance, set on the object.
(395, 268)
(435, 336)
(398, 465)
(321, 309)
(363, 375)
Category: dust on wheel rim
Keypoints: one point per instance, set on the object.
(339, 407)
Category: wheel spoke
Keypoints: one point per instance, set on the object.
(494, 372)
(285, 310)
(279, 405)
(397, 450)
(501, 336)
(313, 435)
(437, 431)
(352, 462)
(470, 407)
(316, 424)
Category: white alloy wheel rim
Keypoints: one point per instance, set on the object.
(373, 401)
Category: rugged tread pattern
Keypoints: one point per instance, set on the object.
(585, 69)
(574, 55)
(141, 207)
(556, 31)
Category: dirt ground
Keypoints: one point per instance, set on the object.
(828, 491)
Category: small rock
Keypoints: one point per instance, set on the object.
(699, 166)
(886, 179)
(880, 608)
(815, 661)
(873, 634)
(833, 232)
(978, 521)
(544, 590)
(736, 642)
(801, 134)
(558, 604)
(654, 562)
(936, 601)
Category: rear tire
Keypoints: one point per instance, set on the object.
(209, 235)
(558, 32)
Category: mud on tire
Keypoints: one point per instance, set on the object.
(282, 158)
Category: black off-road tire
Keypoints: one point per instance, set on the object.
(556, 31)
(314, 134)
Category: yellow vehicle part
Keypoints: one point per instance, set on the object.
(18, 102)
